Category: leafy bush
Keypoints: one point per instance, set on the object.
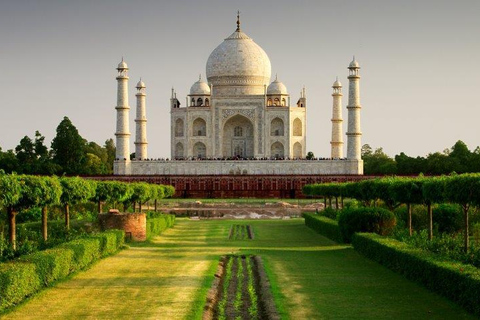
(450, 246)
(454, 280)
(367, 219)
(323, 225)
(85, 252)
(17, 281)
(448, 218)
(109, 241)
(158, 224)
(51, 265)
(27, 275)
(329, 213)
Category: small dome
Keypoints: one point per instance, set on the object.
(276, 87)
(200, 88)
(140, 84)
(337, 84)
(122, 65)
(354, 64)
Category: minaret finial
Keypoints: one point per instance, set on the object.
(199, 77)
(238, 20)
(276, 76)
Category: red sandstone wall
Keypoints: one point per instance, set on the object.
(134, 224)
(236, 186)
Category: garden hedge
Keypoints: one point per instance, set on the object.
(158, 223)
(323, 225)
(456, 281)
(366, 219)
(23, 277)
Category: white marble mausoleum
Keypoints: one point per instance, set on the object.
(238, 121)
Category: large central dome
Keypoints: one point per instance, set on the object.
(239, 61)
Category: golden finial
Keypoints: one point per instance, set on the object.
(238, 20)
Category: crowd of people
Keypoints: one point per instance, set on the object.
(238, 158)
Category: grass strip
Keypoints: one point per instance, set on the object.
(222, 305)
(253, 309)
(237, 304)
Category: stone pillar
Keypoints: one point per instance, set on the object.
(337, 132)
(354, 134)
(123, 131)
(141, 124)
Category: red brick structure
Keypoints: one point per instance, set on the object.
(134, 224)
(237, 186)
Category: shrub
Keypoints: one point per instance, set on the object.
(17, 281)
(51, 265)
(448, 218)
(110, 241)
(367, 219)
(456, 281)
(323, 225)
(22, 278)
(85, 252)
(158, 224)
(329, 213)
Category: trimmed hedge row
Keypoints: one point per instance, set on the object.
(158, 224)
(25, 276)
(456, 281)
(323, 225)
(366, 219)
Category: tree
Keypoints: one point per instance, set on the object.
(409, 165)
(93, 165)
(439, 163)
(433, 190)
(464, 190)
(25, 151)
(408, 191)
(460, 156)
(10, 193)
(121, 193)
(310, 155)
(8, 161)
(68, 148)
(377, 162)
(104, 192)
(50, 195)
(75, 190)
(142, 192)
(111, 151)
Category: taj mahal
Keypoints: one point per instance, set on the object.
(238, 121)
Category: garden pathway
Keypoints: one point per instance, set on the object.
(312, 278)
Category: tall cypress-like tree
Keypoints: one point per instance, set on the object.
(68, 147)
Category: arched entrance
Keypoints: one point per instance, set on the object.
(238, 137)
(199, 150)
(277, 150)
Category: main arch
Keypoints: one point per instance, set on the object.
(238, 137)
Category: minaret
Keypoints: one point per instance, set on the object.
(123, 131)
(354, 142)
(337, 134)
(141, 124)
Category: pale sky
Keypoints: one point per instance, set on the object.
(419, 64)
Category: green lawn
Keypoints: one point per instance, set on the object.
(312, 278)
